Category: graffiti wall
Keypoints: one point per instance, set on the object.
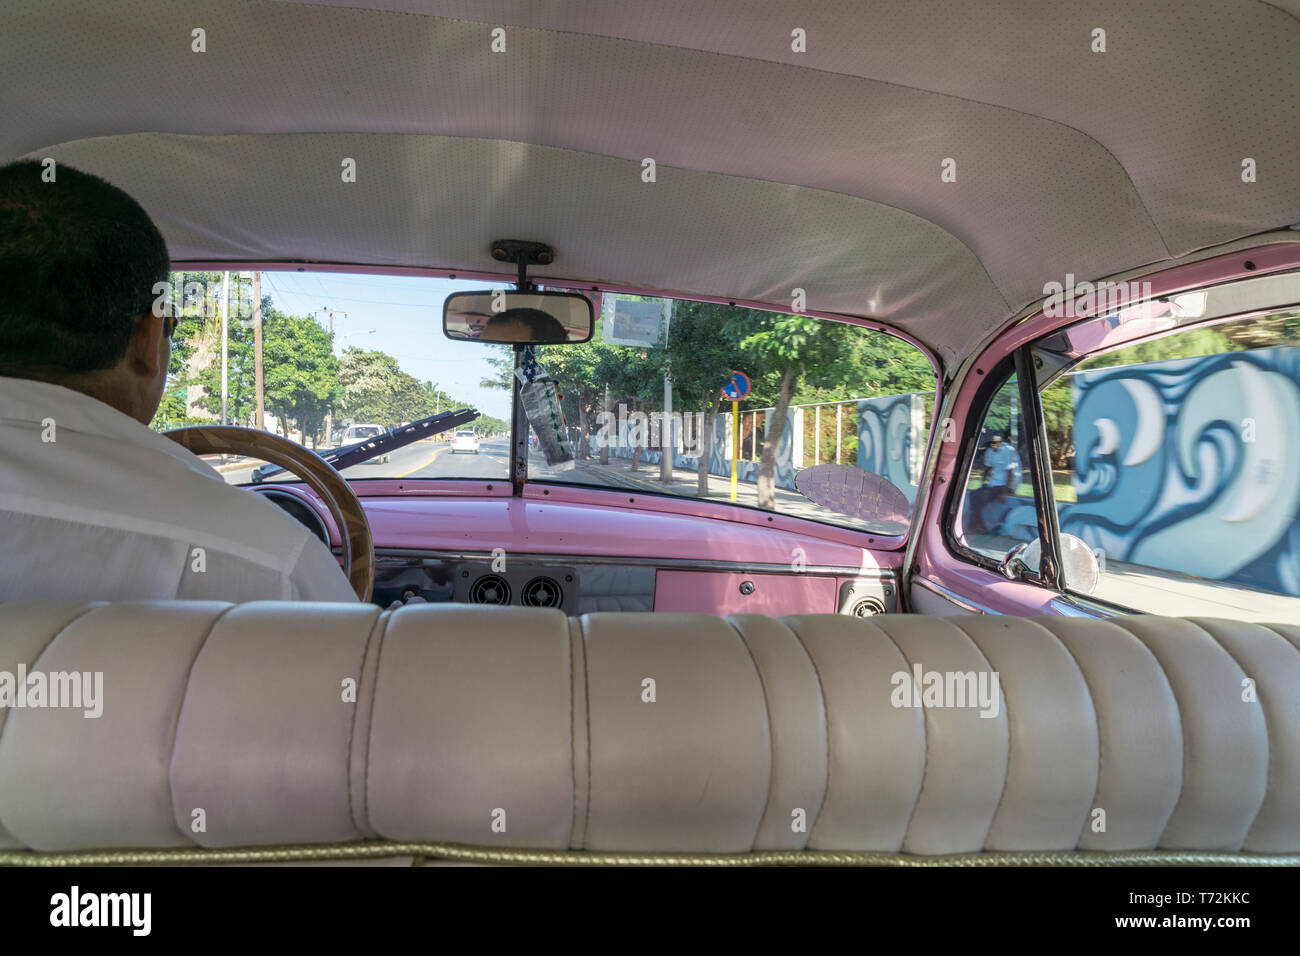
(891, 439)
(1193, 466)
(720, 450)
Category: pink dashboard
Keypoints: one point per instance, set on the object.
(689, 556)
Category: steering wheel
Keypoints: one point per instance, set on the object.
(321, 477)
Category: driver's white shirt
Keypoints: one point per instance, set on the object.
(110, 510)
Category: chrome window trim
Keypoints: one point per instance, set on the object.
(964, 603)
(1066, 605)
(1072, 605)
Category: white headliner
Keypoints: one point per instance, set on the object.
(776, 169)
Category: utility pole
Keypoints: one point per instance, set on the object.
(329, 415)
(666, 431)
(225, 345)
(327, 309)
(259, 421)
(604, 444)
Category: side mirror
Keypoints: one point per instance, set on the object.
(518, 318)
(1080, 568)
(1014, 566)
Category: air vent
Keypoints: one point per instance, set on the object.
(490, 589)
(542, 592)
(868, 607)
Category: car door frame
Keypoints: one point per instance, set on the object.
(969, 583)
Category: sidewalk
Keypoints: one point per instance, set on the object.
(685, 482)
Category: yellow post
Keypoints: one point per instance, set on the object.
(735, 445)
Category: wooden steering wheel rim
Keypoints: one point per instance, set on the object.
(340, 500)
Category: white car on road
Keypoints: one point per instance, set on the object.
(356, 433)
(464, 441)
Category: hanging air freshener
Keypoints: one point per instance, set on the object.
(540, 395)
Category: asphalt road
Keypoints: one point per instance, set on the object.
(423, 459)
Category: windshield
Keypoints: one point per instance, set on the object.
(645, 407)
(348, 358)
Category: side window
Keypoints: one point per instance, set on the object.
(996, 511)
(1176, 463)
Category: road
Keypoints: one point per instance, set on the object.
(423, 459)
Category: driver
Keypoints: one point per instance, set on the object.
(93, 504)
(523, 325)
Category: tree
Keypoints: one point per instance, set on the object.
(701, 352)
(789, 346)
(372, 384)
(302, 374)
(207, 360)
(196, 348)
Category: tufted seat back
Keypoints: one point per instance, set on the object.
(274, 723)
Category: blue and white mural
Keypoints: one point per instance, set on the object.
(720, 451)
(891, 439)
(1193, 466)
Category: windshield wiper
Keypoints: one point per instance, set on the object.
(391, 440)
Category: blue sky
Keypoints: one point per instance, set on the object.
(406, 315)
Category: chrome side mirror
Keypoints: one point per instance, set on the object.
(1014, 566)
(1080, 567)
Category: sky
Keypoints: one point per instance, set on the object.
(400, 315)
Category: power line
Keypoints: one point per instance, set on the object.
(339, 298)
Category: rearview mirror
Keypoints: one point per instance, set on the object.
(518, 318)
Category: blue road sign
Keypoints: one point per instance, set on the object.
(737, 387)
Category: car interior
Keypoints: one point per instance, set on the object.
(1001, 568)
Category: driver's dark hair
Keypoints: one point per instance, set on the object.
(542, 326)
(78, 262)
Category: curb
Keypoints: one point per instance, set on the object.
(233, 466)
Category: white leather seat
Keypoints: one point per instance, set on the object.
(512, 727)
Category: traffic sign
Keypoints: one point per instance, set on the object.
(737, 387)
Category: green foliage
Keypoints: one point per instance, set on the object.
(301, 374)
(1191, 344)
(376, 390)
(240, 395)
(702, 351)
(1058, 415)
